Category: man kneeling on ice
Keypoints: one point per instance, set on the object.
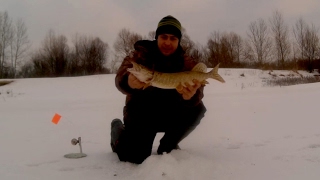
(148, 109)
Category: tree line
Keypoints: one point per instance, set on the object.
(269, 44)
(56, 58)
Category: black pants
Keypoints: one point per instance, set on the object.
(141, 127)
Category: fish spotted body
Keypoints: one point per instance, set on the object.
(174, 80)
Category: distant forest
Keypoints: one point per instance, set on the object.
(269, 44)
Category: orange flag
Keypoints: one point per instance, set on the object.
(56, 118)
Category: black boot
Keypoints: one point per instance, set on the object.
(116, 129)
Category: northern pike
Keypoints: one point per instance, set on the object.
(174, 80)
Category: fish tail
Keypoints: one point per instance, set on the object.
(214, 74)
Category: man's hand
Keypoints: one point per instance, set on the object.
(189, 91)
(134, 83)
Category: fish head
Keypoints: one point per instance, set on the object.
(140, 72)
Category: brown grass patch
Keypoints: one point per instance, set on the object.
(288, 81)
(2, 83)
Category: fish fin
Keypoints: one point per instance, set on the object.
(204, 82)
(200, 67)
(214, 74)
(179, 88)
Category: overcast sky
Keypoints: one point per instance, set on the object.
(104, 18)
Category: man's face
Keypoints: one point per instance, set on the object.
(167, 44)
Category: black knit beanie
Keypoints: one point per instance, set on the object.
(169, 25)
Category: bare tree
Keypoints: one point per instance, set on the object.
(27, 70)
(1, 48)
(40, 67)
(19, 44)
(307, 40)
(225, 48)
(232, 45)
(199, 54)
(76, 56)
(213, 46)
(5, 38)
(186, 43)
(299, 31)
(55, 51)
(115, 63)
(95, 56)
(248, 52)
(125, 41)
(123, 47)
(236, 43)
(151, 35)
(281, 38)
(219, 49)
(294, 55)
(311, 47)
(259, 41)
(88, 56)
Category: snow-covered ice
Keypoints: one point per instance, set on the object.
(250, 132)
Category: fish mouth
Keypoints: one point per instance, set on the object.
(135, 67)
(140, 72)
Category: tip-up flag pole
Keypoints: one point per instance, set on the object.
(56, 118)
